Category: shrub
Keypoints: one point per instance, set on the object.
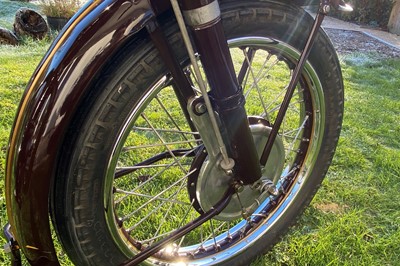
(372, 12)
(59, 8)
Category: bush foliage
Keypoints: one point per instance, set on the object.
(59, 8)
(371, 12)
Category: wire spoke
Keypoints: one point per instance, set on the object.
(255, 79)
(291, 106)
(145, 166)
(166, 130)
(298, 133)
(157, 196)
(171, 118)
(164, 144)
(244, 73)
(152, 178)
(259, 76)
(149, 196)
(209, 236)
(159, 207)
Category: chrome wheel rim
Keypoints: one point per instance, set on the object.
(125, 201)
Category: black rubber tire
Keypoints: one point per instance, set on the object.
(77, 201)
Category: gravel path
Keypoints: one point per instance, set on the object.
(348, 41)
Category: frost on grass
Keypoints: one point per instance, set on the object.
(348, 42)
(361, 59)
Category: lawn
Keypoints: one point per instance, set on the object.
(354, 218)
(8, 9)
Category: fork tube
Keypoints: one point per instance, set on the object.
(203, 16)
(324, 8)
(182, 88)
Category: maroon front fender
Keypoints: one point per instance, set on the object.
(47, 108)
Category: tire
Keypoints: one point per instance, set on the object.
(103, 215)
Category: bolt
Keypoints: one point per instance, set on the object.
(273, 191)
(238, 187)
(326, 9)
(200, 108)
(227, 166)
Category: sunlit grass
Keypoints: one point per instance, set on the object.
(354, 219)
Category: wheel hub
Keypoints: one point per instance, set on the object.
(209, 186)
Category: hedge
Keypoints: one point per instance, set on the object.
(371, 12)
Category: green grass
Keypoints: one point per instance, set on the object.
(355, 217)
(17, 64)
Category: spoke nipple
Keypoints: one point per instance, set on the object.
(273, 191)
(217, 247)
(282, 190)
(251, 222)
(245, 214)
(120, 222)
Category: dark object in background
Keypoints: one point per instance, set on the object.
(8, 37)
(29, 22)
(56, 23)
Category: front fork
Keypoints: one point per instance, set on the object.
(231, 129)
(241, 159)
(225, 101)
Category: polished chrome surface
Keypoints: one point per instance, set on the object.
(210, 236)
(202, 15)
(226, 161)
(52, 96)
(346, 8)
(212, 182)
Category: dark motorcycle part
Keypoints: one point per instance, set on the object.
(183, 230)
(225, 92)
(206, 184)
(11, 247)
(55, 92)
(293, 83)
(123, 112)
(183, 89)
(82, 53)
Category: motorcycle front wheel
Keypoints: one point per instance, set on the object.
(133, 169)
